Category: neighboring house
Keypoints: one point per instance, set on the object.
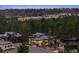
(10, 34)
(7, 47)
(13, 34)
(3, 35)
(39, 38)
(73, 41)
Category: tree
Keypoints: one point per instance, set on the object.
(68, 48)
(23, 49)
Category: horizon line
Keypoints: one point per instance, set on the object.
(37, 6)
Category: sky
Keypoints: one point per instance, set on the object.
(36, 6)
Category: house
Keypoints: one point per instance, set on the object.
(3, 35)
(39, 36)
(39, 39)
(7, 47)
(73, 42)
(7, 35)
(13, 34)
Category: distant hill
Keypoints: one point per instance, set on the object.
(37, 12)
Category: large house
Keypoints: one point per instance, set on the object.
(39, 39)
(7, 47)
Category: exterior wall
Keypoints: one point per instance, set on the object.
(7, 46)
(37, 42)
(11, 51)
(31, 41)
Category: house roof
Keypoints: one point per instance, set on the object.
(2, 42)
(14, 33)
(40, 36)
(18, 35)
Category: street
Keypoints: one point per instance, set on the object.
(33, 49)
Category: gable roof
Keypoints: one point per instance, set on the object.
(40, 36)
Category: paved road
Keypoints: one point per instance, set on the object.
(33, 49)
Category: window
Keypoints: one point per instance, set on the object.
(10, 45)
(5, 46)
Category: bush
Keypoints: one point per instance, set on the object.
(23, 49)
